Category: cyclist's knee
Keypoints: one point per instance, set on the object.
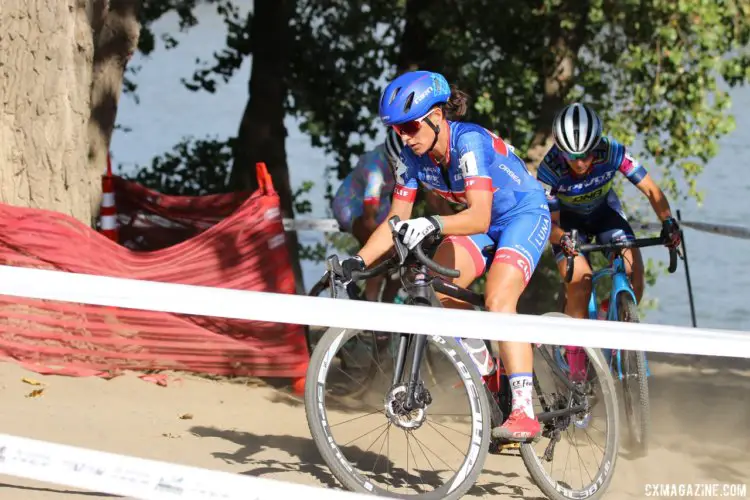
(505, 284)
(634, 268)
(579, 289)
(636, 280)
(499, 302)
(581, 272)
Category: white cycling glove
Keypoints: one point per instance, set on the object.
(418, 229)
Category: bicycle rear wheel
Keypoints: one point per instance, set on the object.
(353, 446)
(634, 381)
(591, 436)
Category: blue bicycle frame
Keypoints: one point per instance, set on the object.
(620, 283)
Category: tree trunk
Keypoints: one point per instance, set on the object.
(46, 55)
(262, 134)
(557, 73)
(415, 49)
(116, 30)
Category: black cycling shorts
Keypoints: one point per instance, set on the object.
(605, 224)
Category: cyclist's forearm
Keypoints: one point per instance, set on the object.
(660, 205)
(656, 197)
(381, 239)
(379, 243)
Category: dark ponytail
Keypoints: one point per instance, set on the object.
(457, 105)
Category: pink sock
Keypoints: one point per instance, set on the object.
(577, 362)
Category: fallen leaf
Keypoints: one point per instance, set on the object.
(186, 416)
(31, 381)
(35, 393)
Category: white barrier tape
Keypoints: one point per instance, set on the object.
(304, 310)
(141, 478)
(323, 225)
(706, 227)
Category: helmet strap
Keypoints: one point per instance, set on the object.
(436, 129)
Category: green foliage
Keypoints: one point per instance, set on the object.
(194, 167)
(653, 69)
(661, 63)
(342, 50)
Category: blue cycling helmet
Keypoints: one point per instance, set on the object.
(412, 95)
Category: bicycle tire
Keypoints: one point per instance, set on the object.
(315, 291)
(603, 477)
(345, 472)
(634, 379)
(312, 338)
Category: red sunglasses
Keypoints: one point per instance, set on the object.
(412, 127)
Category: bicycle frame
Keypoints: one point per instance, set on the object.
(421, 286)
(620, 283)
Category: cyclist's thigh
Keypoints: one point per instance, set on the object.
(521, 242)
(581, 269)
(466, 253)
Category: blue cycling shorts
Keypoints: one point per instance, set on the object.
(518, 242)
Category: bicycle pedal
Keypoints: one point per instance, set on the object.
(498, 447)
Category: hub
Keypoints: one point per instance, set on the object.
(395, 402)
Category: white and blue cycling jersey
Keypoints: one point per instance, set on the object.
(584, 196)
(479, 160)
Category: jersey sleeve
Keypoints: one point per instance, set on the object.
(373, 185)
(406, 178)
(472, 162)
(627, 164)
(549, 178)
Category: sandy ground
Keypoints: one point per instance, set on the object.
(701, 418)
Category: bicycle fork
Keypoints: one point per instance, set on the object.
(417, 397)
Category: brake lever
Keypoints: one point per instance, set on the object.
(401, 249)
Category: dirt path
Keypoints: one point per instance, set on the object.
(701, 418)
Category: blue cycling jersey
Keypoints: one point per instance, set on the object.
(477, 160)
(585, 195)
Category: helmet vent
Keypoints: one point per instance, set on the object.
(393, 95)
(407, 104)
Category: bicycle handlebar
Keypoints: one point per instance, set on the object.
(373, 271)
(401, 253)
(419, 253)
(617, 245)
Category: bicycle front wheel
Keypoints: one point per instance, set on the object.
(634, 381)
(373, 445)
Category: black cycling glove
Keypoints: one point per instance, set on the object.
(671, 232)
(350, 264)
(568, 245)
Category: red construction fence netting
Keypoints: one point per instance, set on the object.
(233, 240)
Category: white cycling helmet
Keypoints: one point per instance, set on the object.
(393, 146)
(577, 129)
